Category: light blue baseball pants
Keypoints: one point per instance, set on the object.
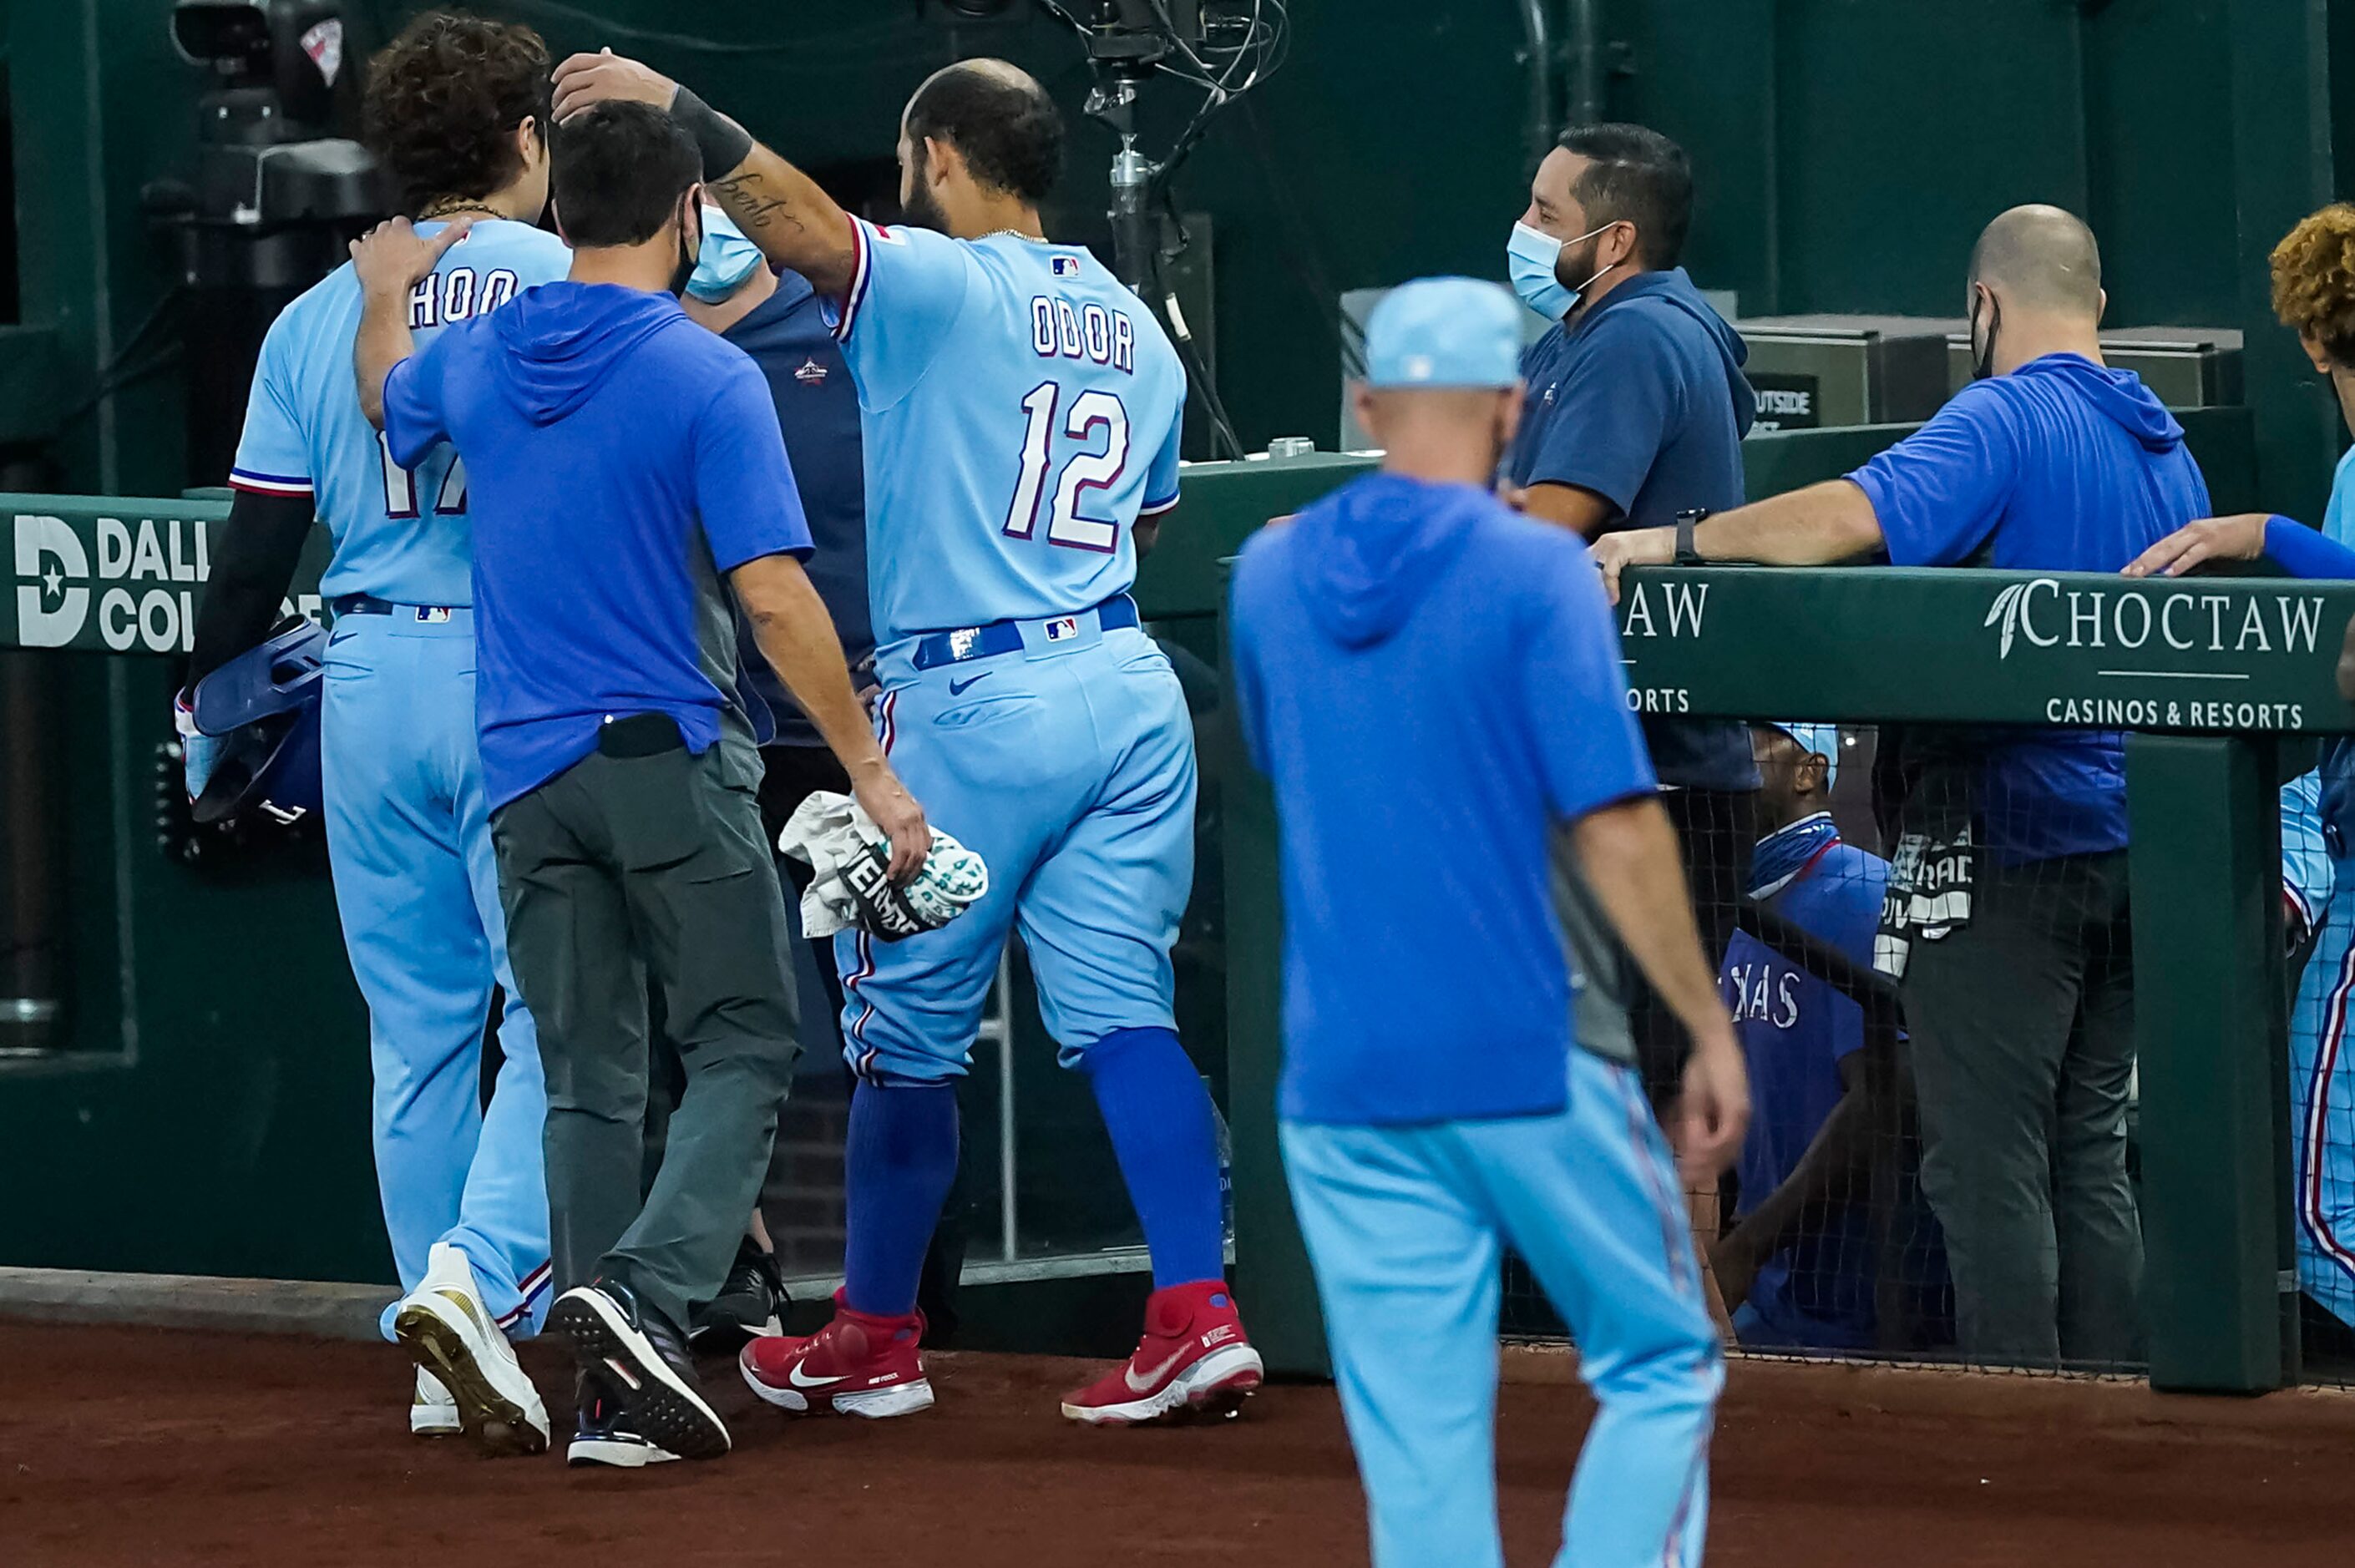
(1406, 1228)
(2322, 1106)
(1069, 768)
(417, 888)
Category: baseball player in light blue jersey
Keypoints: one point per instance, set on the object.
(1020, 413)
(458, 108)
(2319, 880)
(2313, 297)
(2317, 873)
(1433, 685)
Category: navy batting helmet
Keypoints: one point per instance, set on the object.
(264, 703)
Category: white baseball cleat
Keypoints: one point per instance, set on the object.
(450, 1336)
(431, 1411)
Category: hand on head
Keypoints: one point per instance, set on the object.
(584, 81)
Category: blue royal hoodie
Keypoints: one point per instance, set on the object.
(619, 459)
(2063, 465)
(1430, 682)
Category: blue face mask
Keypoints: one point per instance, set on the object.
(1531, 257)
(726, 260)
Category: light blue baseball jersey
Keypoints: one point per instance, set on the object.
(400, 535)
(2322, 1070)
(2311, 808)
(1022, 410)
(2307, 872)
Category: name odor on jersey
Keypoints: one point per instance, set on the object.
(1060, 331)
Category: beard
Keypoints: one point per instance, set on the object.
(923, 209)
(1576, 269)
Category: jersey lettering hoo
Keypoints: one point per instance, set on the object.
(459, 294)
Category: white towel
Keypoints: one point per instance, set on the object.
(827, 831)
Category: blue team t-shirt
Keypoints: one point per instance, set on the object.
(620, 458)
(402, 533)
(817, 407)
(2063, 465)
(1023, 410)
(1641, 400)
(1432, 683)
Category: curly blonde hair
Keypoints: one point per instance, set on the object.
(2314, 280)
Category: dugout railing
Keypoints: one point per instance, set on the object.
(2214, 677)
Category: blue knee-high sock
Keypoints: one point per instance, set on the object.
(901, 1158)
(1158, 1113)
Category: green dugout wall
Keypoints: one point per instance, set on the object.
(207, 1112)
(1847, 153)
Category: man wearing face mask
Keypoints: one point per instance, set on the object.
(775, 317)
(620, 459)
(2006, 924)
(1635, 411)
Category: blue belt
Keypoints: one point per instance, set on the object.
(368, 604)
(935, 648)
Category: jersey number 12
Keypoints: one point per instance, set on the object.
(401, 485)
(1082, 471)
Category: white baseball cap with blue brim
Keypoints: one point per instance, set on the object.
(1820, 740)
(1438, 333)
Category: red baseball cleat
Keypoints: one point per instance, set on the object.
(1194, 1360)
(859, 1364)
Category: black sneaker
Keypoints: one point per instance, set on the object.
(751, 1304)
(645, 1363)
(602, 1433)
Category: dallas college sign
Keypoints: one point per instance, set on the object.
(122, 577)
(139, 579)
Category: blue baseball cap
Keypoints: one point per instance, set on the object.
(1444, 332)
(1820, 740)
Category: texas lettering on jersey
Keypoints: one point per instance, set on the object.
(1764, 993)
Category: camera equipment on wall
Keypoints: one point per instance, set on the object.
(1223, 48)
(276, 196)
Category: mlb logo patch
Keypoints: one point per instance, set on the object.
(888, 235)
(1063, 627)
(432, 614)
(1067, 266)
(810, 374)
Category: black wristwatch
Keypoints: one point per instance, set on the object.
(1687, 555)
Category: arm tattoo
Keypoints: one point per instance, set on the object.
(757, 210)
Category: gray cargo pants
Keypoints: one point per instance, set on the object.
(2022, 1031)
(620, 869)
